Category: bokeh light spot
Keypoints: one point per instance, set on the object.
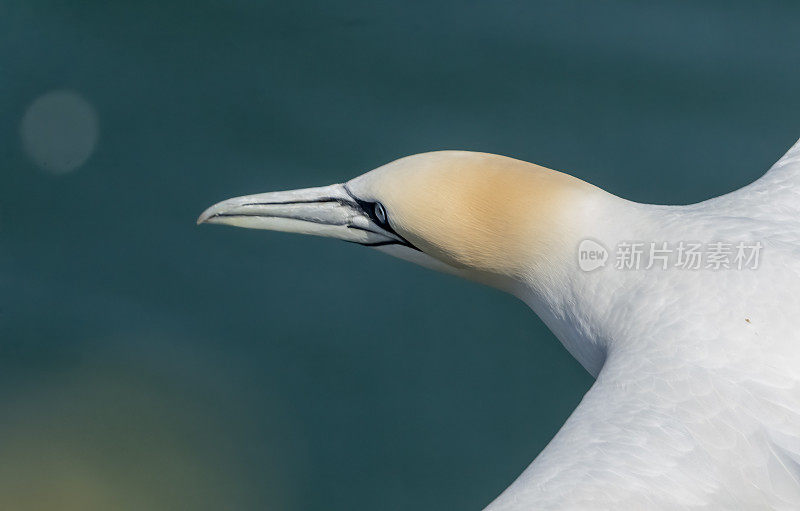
(59, 131)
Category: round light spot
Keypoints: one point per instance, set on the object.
(59, 131)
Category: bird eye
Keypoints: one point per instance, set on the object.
(380, 213)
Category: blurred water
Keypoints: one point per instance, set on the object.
(147, 363)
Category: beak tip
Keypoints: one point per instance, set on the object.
(205, 216)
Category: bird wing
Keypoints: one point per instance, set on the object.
(662, 434)
(774, 197)
(786, 170)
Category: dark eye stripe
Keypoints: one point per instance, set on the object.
(370, 209)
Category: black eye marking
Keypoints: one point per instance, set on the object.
(377, 213)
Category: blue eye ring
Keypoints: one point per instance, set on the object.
(380, 213)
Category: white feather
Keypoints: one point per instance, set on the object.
(697, 404)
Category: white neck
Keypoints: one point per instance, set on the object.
(577, 305)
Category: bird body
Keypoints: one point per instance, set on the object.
(696, 403)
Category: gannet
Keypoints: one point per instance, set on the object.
(696, 399)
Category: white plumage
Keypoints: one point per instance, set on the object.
(697, 398)
(697, 405)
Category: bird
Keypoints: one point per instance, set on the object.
(686, 316)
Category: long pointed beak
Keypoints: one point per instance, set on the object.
(329, 211)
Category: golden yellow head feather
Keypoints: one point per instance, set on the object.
(479, 211)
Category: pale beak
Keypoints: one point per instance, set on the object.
(330, 211)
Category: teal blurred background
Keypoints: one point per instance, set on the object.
(146, 363)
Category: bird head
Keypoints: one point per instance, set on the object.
(485, 217)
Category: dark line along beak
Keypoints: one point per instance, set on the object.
(329, 211)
